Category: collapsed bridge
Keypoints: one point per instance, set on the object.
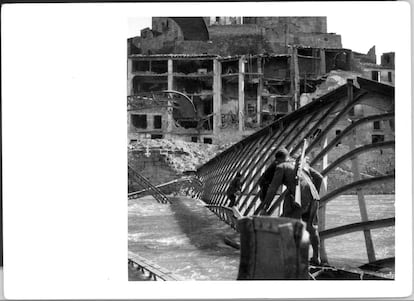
(351, 141)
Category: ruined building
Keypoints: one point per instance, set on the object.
(235, 75)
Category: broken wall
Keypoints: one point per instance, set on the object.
(134, 45)
(295, 24)
(223, 45)
(328, 40)
(277, 67)
(154, 40)
(270, 34)
(388, 60)
(220, 31)
(238, 45)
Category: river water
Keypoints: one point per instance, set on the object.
(188, 239)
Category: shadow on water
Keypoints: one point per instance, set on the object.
(204, 229)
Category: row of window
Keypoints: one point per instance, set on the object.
(376, 75)
(140, 121)
(153, 136)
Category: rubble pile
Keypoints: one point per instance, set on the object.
(334, 79)
(180, 155)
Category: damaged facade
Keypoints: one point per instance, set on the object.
(238, 74)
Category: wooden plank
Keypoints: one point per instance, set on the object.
(361, 226)
(259, 93)
(379, 264)
(322, 210)
(241, 93)
(357, 176)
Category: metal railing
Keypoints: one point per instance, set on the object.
(148, 268)
(189, 186)
(146, 185)
(326, 122)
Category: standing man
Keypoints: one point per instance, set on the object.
(309, 181)
(265, 180)
(233, 188)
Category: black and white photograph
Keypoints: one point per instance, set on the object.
(259, 148)
(200, 150)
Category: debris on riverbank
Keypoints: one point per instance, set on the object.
(180, 155)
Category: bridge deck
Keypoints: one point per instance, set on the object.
(188, 240)
(183, 237)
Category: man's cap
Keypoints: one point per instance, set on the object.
(281, 153)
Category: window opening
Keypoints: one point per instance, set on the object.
(337, 133)
(157, 121)
(374, 75)
(139, 121)
(208, 140)
(377, 138)
(156, 136)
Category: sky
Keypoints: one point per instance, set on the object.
(356, 36)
